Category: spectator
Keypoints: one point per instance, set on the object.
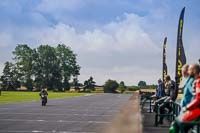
(192, 110)
(159, 91)
(163, 103)
(187, 94)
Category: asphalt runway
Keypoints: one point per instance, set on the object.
(87, 114)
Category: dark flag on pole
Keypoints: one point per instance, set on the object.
(164, 61)
(180, 53)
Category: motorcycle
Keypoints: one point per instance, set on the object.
(44, 99)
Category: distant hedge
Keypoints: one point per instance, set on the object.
(133, 88)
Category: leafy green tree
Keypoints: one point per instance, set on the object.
(56, 79)
(9, 80)
(89, 84)
(67, 63)
(110, 86)
(45, 67)
(24, 62)
(76, 84)
(142, 84)
(122, 87)
(42, 67)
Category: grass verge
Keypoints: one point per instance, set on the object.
(16, 96)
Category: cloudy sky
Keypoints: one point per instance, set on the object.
(113, 39)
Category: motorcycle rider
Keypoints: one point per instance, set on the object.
(43, 94)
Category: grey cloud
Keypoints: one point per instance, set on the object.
(111, 50)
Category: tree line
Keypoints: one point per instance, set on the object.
(52, 68)
(41, 67)
(143, 85)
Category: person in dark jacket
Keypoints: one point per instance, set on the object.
(170, 95)
(159, 91)
(43, 94)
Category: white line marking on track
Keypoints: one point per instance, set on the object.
(41, 120)
(35, 131)
(64, 121)
(46, 114)
(7, 131)
(68, 109)
(88, 95)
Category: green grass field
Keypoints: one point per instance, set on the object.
(14, 96)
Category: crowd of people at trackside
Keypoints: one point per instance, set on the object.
(190, 102)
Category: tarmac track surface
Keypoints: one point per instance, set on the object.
(87, 114)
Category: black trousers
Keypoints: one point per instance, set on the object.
(164, 108)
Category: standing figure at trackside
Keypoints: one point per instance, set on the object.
(170, 95)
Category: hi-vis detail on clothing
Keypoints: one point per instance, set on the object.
(180, 53)
(164, 60)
